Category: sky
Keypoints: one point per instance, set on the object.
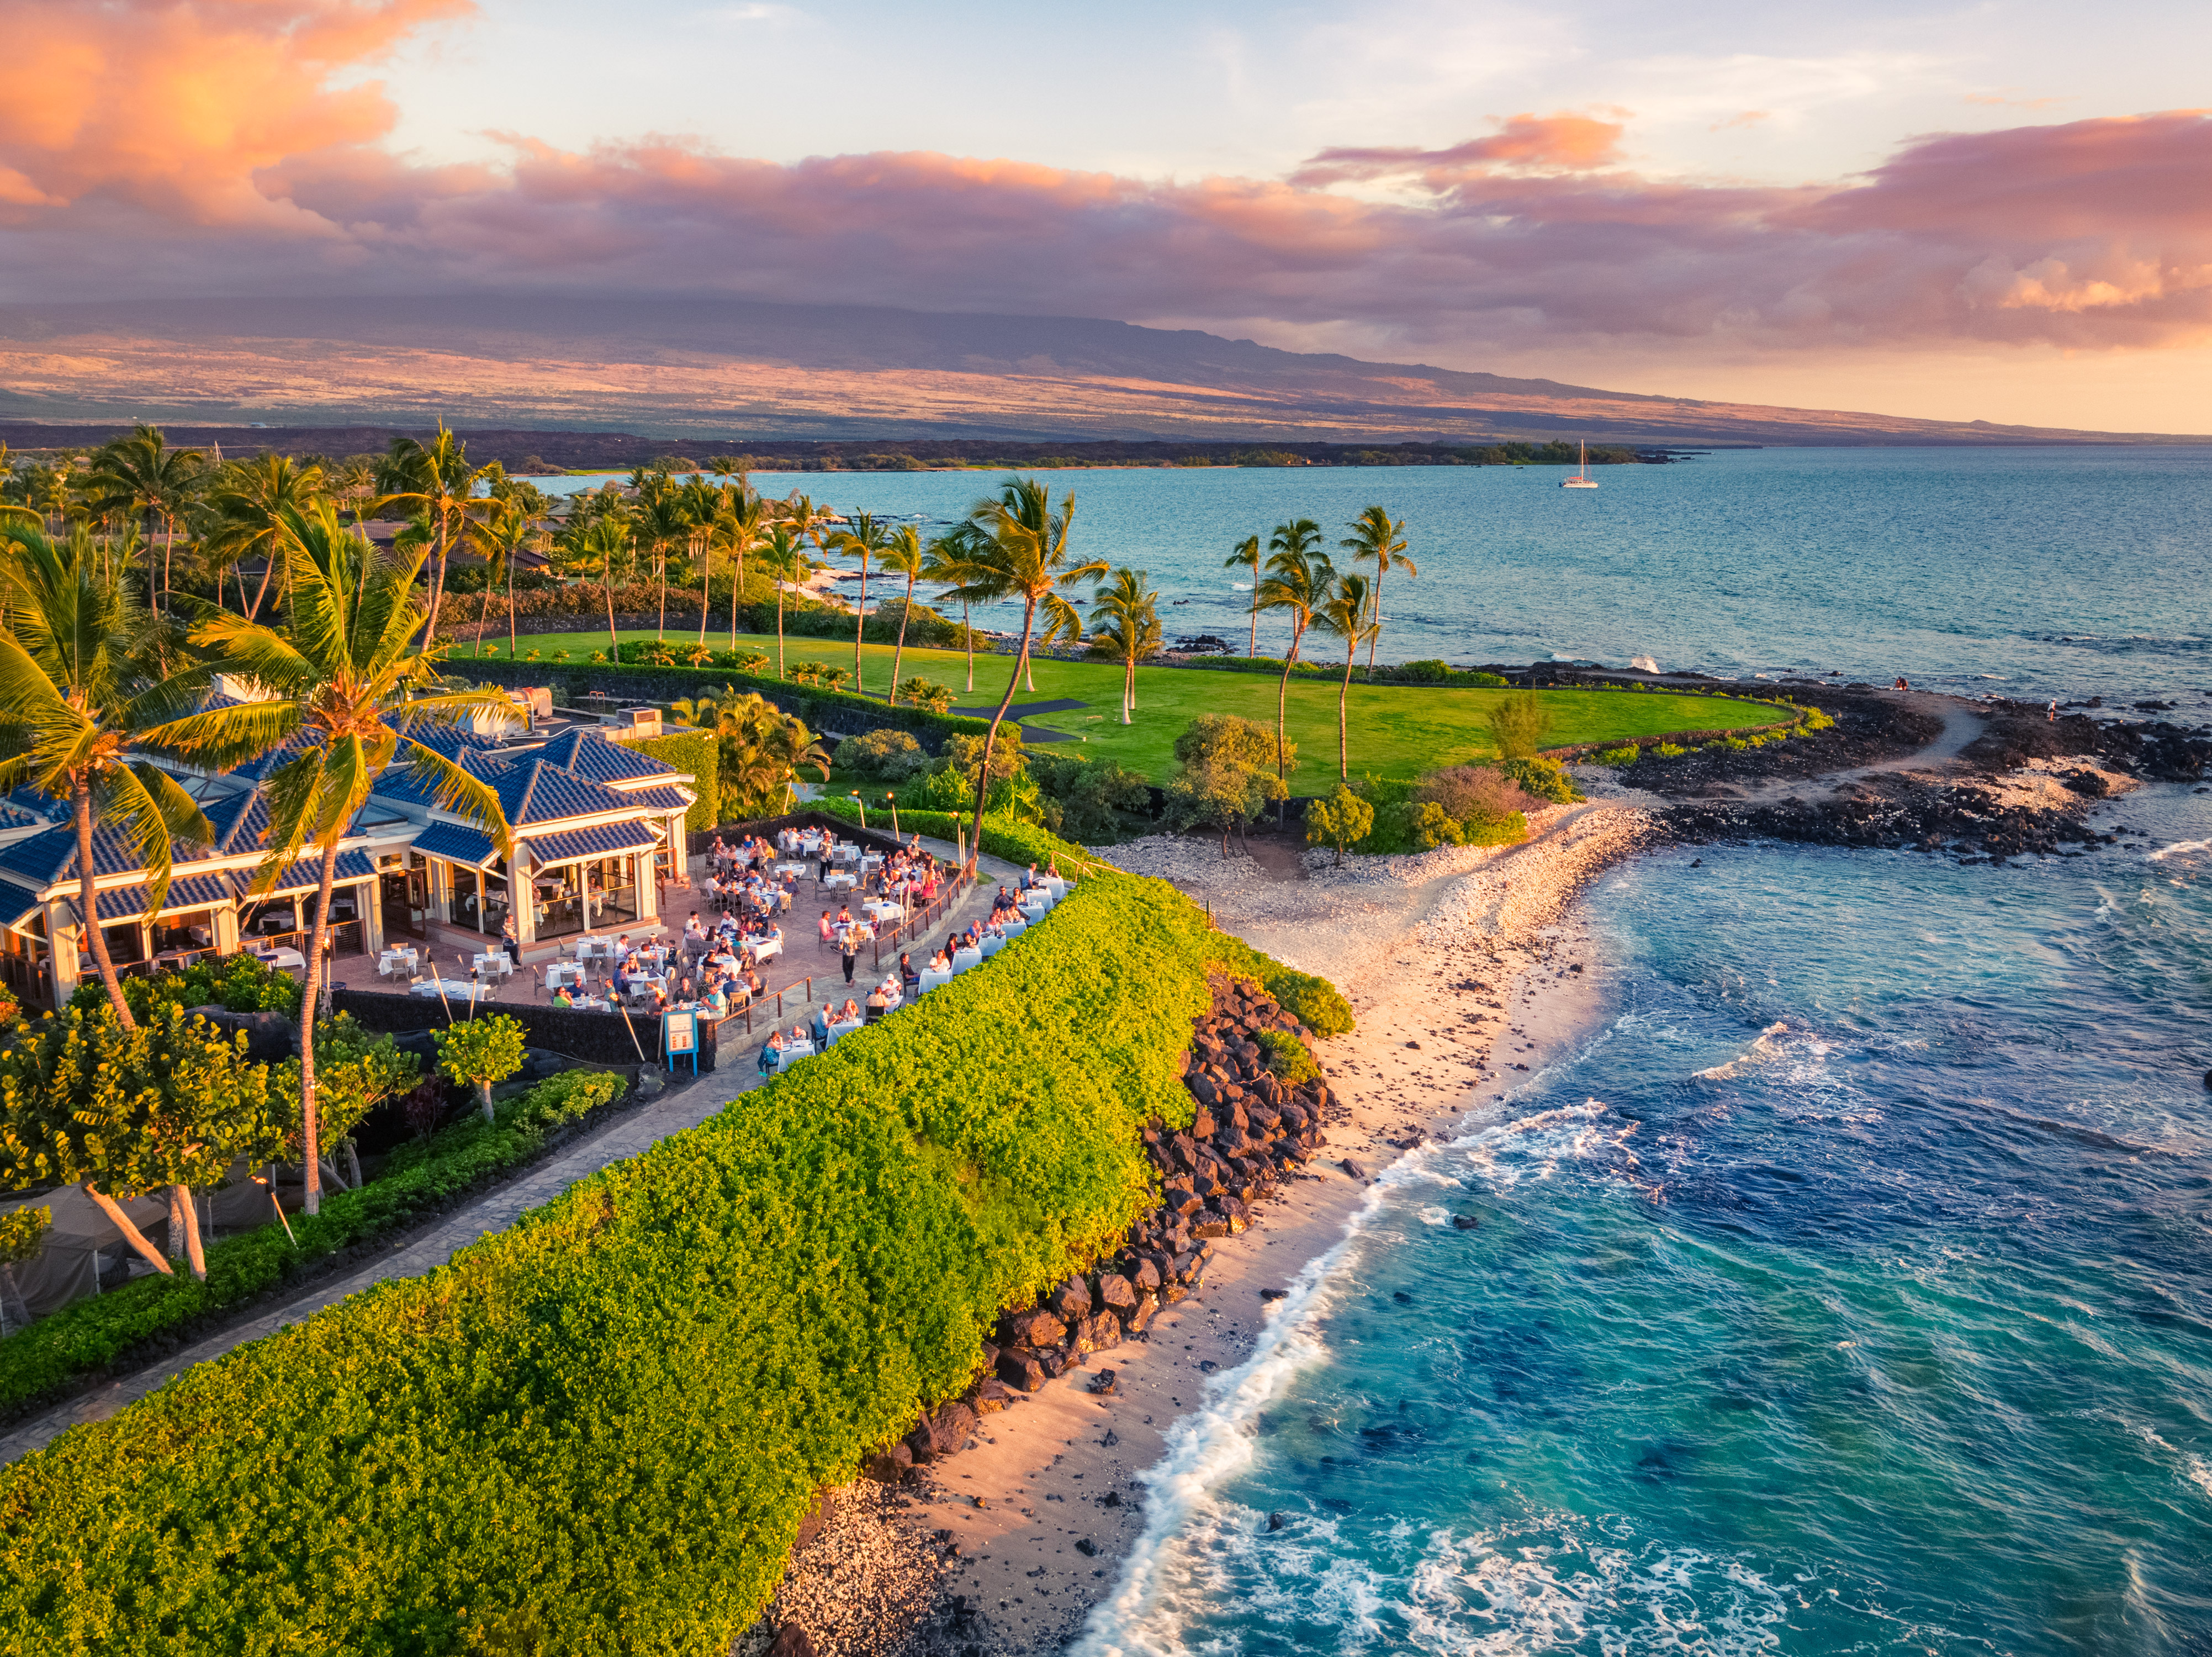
(1991, 211)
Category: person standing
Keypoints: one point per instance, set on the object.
(510, 941)
(848, 950)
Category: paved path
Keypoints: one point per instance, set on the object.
(628, 1136)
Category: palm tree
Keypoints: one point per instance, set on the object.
(702, 503)
(245, 500)
(863, 540)
(1024, 554)
(661, 522)
(785, 560)
(902, 556)
(1298, 574)
(141, 474)
(344, 686)
(739, 526)
(949, 555)
(1377, 537)
(1248, 554)
(433, 480)
(759, 748)
(87, 675)
(1344, 614)
(508, 533)
(1125, 619)
(600, 544)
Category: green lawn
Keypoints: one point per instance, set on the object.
(1396, 730)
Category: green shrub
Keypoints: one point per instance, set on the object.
(1340, 821)
(1287, 1057)
(884, 755)
(622, 1406)
(1487, 681)
(696, 754)
(560, 1099)
(1547, 779)
(481, 1053)
(1517, 724)
(1431, 825)
(1314, 1002)
(1429, 672)
(1627, 754)
(925, 693)
(1814, 719)
(1668, 750)
(1496, 828)
(239, 982)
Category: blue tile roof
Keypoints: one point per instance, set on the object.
(669, 798)
(186, 892)
(456, 844)
(28, 806)
(532, 791)
(17, 904)
(605, 840)
(305, 874)
(50, 855)
(589, 754)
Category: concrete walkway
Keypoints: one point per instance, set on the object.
(628, 1136)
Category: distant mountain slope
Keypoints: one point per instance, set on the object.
(714, 368)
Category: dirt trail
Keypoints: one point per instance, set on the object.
(1962, 724)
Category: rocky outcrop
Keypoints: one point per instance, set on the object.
(1248, 1129)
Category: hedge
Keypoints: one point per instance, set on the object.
(697, 753)
(598, 1431)
(418, 1180)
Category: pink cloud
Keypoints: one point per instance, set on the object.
(210, 145)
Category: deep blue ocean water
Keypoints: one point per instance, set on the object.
(2030, 572)
(1847, 1290)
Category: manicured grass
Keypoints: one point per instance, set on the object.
(1396, 730)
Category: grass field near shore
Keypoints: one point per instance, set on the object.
(1397, 730)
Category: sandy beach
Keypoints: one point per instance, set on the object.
(1466, 969)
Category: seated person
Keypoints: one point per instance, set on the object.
(941, 962)
(562, 998)
(756, 985)
(1030, 877)
(717, 1002)
(850, 1013)
(820, 1029)
(771, 1051)
(908, 976)
(828, 927)
(878, 1004)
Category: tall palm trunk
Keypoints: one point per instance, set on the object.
(1255, 650)
(1375, 609)
(88, 904)
(437, 586)
(737, 591)
(779, 629)
(310, 1008)
(983, 779)
(660, 562)
(268, 574)
(1128, 688)
(168, 544)
(483, 617)
(859, 627)
(968, 633)
(1283, 696)
(511, 651)
(706, 582)
(607, 586)
(898, 651)
(1343, 740)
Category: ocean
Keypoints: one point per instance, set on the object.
(1846, 1289)
(2028, 572)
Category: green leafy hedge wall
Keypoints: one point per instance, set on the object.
(598, 1431)
(694, 751)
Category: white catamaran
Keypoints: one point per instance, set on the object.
(1581, 479)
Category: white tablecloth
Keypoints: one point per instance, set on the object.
(1013, 926)
(992, 945)
(879, 911)
(560, 972)
(931, 979)
(790, 1055)
(791, 869)
(455, 989)
(501, 963)
(839, 1030)
(397, 960)
(284, 958)
(840, 879)
(761, 949)
(964, 959)
(1055, 885)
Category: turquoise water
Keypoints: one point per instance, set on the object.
(1847, 1291)
(2030, 572)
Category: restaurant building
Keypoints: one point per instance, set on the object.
(596, 827)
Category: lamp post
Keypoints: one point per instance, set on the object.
(890, 799)
(863, 805)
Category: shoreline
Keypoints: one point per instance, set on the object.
(1026, 1532)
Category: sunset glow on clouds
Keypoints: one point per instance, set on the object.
(242, 148)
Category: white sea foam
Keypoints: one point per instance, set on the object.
(2165, 852)
(1764, 1051)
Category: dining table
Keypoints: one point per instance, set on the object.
(286, 959)
(878, 910)
(843, 880)
(931, 977)
(454, 988)
(791, 1055)
(965, 957)
(845, 1027)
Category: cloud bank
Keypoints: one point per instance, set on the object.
(148, 147)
